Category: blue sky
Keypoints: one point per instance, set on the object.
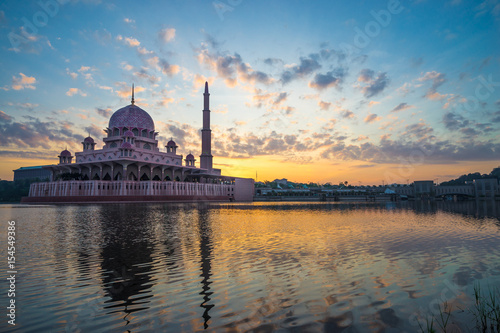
(320, 91)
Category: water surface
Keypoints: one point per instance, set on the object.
(309, 267)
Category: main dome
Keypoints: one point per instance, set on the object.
(132, 116)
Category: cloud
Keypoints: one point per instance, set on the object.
(73, 75)
(401, 107)
(199, 81)
(169, 69)
(347, 114)
(143, 74)
(74, 91)
(232, 68)
(496, 117)
(325, 106)
(273, 61)
(5, 117)
(94, 130)
(167, 35)
(128, 20)
(271, 99)
(373, 85)
(25, 106)
(23, 82)
(130, 41)
(125, 91)
(34, 133)
(106, 113)
(366, 75)
(372, 117)
(330, 79)
(306, 67)
(453, 121)
(437, 80)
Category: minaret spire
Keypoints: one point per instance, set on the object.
(133, 101)
(206, 133)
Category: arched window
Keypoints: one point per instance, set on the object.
(144, 133)
(135, 131)
(147, 146)
(116, 132)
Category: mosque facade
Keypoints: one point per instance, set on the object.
(132, 167)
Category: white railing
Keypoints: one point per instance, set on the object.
(124, 188)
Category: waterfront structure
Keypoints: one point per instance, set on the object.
(426, 190)
(33, 172)
(131, 167)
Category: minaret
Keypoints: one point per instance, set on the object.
(133, 100)
(206, 133)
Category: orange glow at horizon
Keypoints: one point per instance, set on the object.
(320, 171)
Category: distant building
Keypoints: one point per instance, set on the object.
(486, 187)
(32, 172)
(423, 188)
(283, 181)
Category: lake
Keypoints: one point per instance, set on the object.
(264, 267)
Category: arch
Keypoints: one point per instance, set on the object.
(156, 178)
(167, 178)
(135, 131)
(132, 176)
(106, 177)
(124, 130)
(144, 177)
(116, 132)
(147, 146)
(96, 177)
(118, 176)
(144, 133)
(113, 145)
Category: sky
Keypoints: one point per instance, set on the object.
(368, 92)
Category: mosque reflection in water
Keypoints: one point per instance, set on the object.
(128, 266)
(149, 256)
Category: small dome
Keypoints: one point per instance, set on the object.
(65, 152)
(131, 116)
(126, 145)
(190, 157)
(88, 140)
(128, 133)
(171, 143)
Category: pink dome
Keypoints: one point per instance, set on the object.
(65, 152)
(126, 145)
(88, 139)
(128, 133)
(132, 116)
(190, 157)
(171, 143)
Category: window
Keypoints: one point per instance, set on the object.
(147, 146)
(113, 145)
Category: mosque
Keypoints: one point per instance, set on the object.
(131, 167)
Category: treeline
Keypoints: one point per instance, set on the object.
(495, 173)
(13, 191)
